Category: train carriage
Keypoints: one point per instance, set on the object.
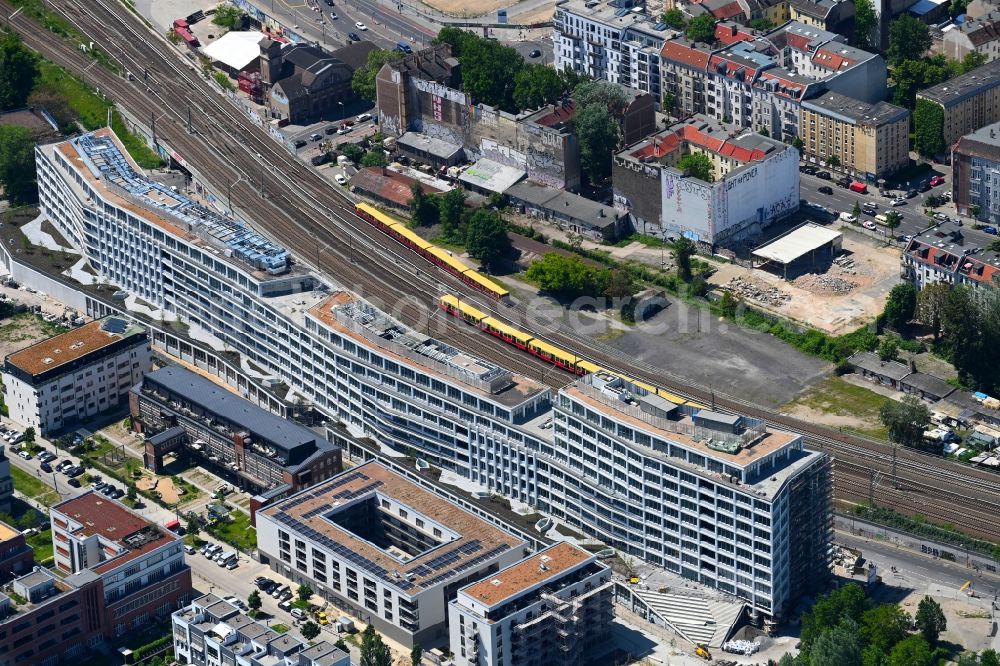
(455, 307)
(486, 285)
(553, 354)
(508, 334)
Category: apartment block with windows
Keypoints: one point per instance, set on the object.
(551, 609)
(975, 161)
(377, 543)
(212, 632)
(716, 498)
(141, 564)
(968, 101)
(870, 141)
(55, 383)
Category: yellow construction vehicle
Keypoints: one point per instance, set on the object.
(702, 651)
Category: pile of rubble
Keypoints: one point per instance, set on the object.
(741, 647)
(761, 293)
(826, 284)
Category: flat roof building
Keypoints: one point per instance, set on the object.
(211, 631)
(74, 375)
(805, 241)
(141, 563)
(251, 447)
(969, 101)
(975, 160)
(378, 543)
(554, 607)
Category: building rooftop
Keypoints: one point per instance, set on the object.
(49, 357)
(428, 144)
(388, 185)
(7, 532)
(708, 134)
(527, 574)
(491, 176)
(236, 49)
(797, 243)
(100, 157)
(565, 204)
(871, 362)
(855, 111)
(950, 247)
(964, 86)
(984, 142)
(292, 442)
(324, 513)
(358, 319)
(132, 536)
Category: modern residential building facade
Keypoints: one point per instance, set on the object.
(180, 411)
(975, 162)
(389, 550)
(715, 498)
(969, 101)
(755, 182)
(951, 254)
(141, 564)
(74, 375)
(211, 632)
(551, 609)
(870, 141)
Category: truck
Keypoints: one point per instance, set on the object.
(345, 625)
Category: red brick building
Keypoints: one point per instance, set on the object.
(16, 557)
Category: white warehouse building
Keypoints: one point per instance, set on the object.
(404, 389)
(393, 552)
(754, 183)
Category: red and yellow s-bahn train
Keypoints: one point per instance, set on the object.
(431, 252)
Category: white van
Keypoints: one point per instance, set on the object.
(847, 217)
(225, 558)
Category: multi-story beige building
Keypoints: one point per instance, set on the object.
(970, 101)
(870, 140)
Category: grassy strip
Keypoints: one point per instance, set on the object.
(918, 525)
(236, 531)
(41, 543)
(809, 340)
(34, 488)
(57, 25)
(92, 111)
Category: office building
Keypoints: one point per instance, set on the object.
(610, 41)
(180, 411)
(553, 608)
(141, 564)
(712, 497)
(870, 141)
(379, 544)
(951, 254)
(210, 632)
(756, 81)
(975, 162)
(16, 556)
(968, 101)
(50, 620)
(75, 375)
(755, 182)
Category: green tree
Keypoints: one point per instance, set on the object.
(856, 211)
(597, 132)
(798, 144)
(535, 86)
(989, 658)
(254, 603)
(674, 18)
(910, 76)
(761, 24)
(618, 283)
(374, 158)
(888, 350)
(132, 495)
(683, 249)
(29, 435)
(18, 71)
(374, 652)
(310, 630)
(930, 306)
(884, 625)
(451, 208)
(563, 276)
(17, 164)
(846, 603)
(489, 72)
(486, 237)
(964, 328)
(228, 16)
(912, 651)
(698, 165)
(971, 60)
(892, 219)
(600, 93)
(702, 28)
(839, 646)
(416, 655)
(363, 80)
(930, 620)
(833, 160)
(901, 305)
(456, 38)
(873, 656)
(928, 128)
(957, 7)
(351, 151)
(304, 592)
(909, 39)
(423, 208)
(906, 420)
(865, 23)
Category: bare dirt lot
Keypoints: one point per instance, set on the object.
(23, 330)
(460, 8)
(848, 294)
(164, 486)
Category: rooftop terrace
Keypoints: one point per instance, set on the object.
(527, 574)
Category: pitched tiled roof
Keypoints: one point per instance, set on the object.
(679, 52)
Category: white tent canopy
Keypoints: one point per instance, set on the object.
(235, 49)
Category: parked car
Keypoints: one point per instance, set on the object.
(280, 590)
(46, 467)
(991, 230)
(262, 581)
(364, 117)
(285, 606)
(340, 179)
(24, 454)
(298, 614)
(189, 549)
(940, 217)
(403, 47)
(98, 485)
(232, 564)
(299, 143)
(353, 36)
(868, 224)
(333, 16)
(74, 482)
(826, 189)
(315, 136)
(236, 601)
(936, 180)
(924, 186)
(910, 194)
(824, 175)
(847, 217)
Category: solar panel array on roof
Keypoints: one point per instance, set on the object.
(468, 564)
(114, 325)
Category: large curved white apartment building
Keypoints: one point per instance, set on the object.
(749, 516)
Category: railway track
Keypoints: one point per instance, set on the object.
(319, 226)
